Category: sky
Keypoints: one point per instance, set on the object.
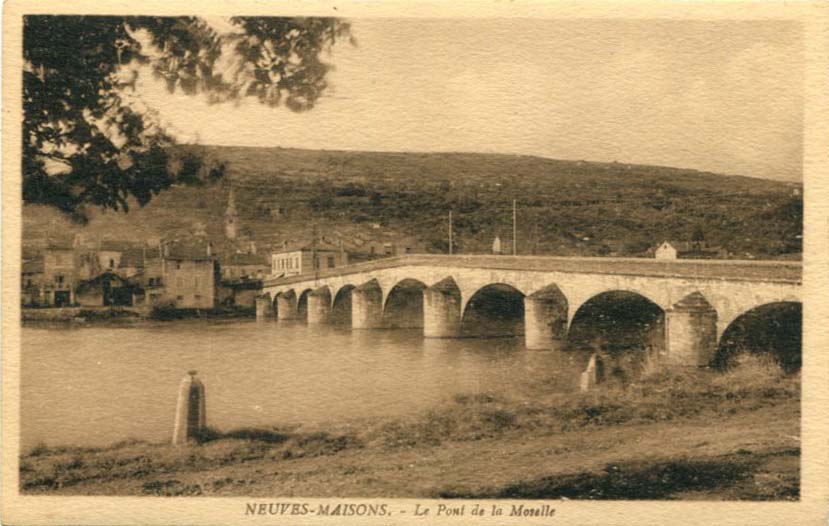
(721, 96)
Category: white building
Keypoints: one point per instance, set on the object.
(496, 245)
(665, 251)
(305, 259)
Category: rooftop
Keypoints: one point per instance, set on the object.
(245, 259)
(133, 257)
(306, 247)
(194, 250)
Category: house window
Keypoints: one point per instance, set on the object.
(178, 265)
(372, 249)
(197, 297)
(180, 298)
(59, 280)
(111, 263)
(331, 262)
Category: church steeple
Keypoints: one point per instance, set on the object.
(231, 218)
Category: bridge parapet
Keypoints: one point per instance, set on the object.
(735, 270)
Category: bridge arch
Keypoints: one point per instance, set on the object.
(624, 326)
(302, 305)
(403, 307)
(341, 305)
(285, 304)
(494, 310)
(772, 329)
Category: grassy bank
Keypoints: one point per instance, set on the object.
(696, 434)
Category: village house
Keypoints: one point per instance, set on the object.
(386, 244)
(32, 280)
(240, 266)
(689, 250)
(394, 247)
(151, 277)
(131, 262)
(59, 276)
(106, 289)
(109, 254)
(242, 274)
(241, 293)
(291, 261)
(189, 273)
(665, 251)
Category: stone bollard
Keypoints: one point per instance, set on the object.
(191, 417)
(593, 374)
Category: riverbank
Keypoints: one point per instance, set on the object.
(674, 435)
(128, 315)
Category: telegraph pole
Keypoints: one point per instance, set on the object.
(314, 256)
(514, 230)
(450, 233)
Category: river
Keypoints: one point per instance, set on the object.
(95, 385)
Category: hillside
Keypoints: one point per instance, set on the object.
(564, 207)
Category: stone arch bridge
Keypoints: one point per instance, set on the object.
(455, 296)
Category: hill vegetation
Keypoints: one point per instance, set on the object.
(564, 207)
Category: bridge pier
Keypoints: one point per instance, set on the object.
(691, 333)
(319, 306)
(442, 310)
(367, 306)
(286, 306)
(545, 319)
(264, 307)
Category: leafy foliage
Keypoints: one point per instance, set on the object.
(86, 142)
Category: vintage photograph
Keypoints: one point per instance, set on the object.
(458, 258)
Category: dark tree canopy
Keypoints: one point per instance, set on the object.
(85, 143)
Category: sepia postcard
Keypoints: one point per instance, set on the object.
(378, 263)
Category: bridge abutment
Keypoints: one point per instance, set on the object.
(264, 308)
(286, 306)
(442, 310)
(319, 306)
(545, 319)
(691, 332)
(367, 306)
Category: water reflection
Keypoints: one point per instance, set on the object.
(97, 385)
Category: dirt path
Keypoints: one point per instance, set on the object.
(750, 455)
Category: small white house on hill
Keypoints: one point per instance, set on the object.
(665, 251)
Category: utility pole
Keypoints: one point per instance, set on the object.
(450, 232)
(314, 256)
(514, 230)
